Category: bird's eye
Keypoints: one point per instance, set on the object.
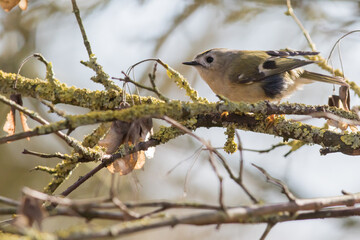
(209, 59)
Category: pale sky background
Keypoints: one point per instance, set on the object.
(125, 32)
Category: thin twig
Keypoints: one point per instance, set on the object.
(338, 41)
(8, 211)
(61, 200)
(50, 76)
(81, 26)
(6, 222)
(211, 158)
(146, 60)
(265, 150)
(108, 159)
(220, 178)
(240, 148)
(187, 175)
(153, 89)
(104, 203)
(84, 178)
(101, 77)
(239, 180)
(306, 208)
(9, 201)
(33, 115)
(284, 188)
(330, 116)
(268, 228)
(290, 12)
(323, 63)
(53, 109)
(205, 143)
(49, 72)
(128, 79)
(129, 215)
(48, 170)
(152, 78)
(168, 205)
(21, 65)
(240, 215)
(44, 155)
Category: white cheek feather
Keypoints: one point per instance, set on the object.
(261, 69)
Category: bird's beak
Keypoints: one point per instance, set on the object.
(192, 63)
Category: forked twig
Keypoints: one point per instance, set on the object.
(284, 188)
(130, 215)
(268, 228)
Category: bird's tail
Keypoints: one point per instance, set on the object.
(323, 78)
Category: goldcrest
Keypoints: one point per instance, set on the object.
(252, 76)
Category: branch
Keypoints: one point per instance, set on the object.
(9, 201)
(103, 203)
(45, 155)
(269, 226)
(102, 100)
(255, 214)
(209, 115)
(284, 188)
(239, 179)
(76, 11)
(290, 12)
(108, 159)
(328, 207)
(211, 156)
(33, 115)
(321, 62)
(266, 150)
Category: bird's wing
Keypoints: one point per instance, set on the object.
(278, 65)
(288, 52)
(270, 67)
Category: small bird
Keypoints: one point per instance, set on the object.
(252, 76)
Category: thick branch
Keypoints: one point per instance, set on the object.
(102, 100)
(61, 93)
(209, 115)
(254, 214)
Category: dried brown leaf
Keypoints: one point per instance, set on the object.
(24, 125)
(23, 4)
(30, 211)
(9, 125)
(140, 160)
(341, 101)
(132, 133)
(127, 164)
(7, 5)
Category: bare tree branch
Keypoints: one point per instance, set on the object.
(284, 188)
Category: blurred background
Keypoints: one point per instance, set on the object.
(122, 33)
